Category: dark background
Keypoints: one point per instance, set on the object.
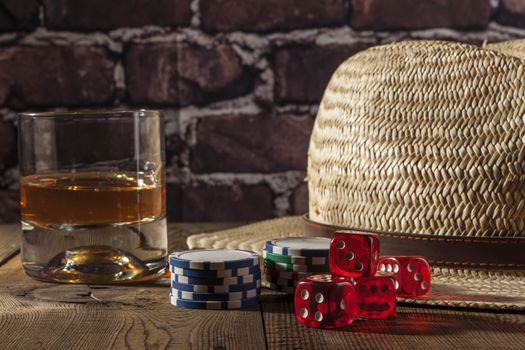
(238, 80)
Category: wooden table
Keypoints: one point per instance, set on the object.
(37, 315)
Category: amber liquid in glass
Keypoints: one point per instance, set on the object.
(100, 227)
(90, 199)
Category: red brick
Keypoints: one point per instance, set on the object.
(299, 199)
(227, 203)
(151, 73)
(302, 73)
(211, 74)
(55, 76)
(18, 14)
(8, 149)
(9, 206)
(184, 74)
(418, 14)
(511, 13)
(251, 144)
(268, 15)
(113, 14)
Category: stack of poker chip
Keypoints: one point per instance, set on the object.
(287, 260)
(215, 279)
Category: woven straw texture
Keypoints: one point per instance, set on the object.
(514, 48)
(423, 137)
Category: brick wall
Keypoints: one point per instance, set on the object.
(238, 80)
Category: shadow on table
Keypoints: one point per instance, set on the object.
(439, 322)
(415, 320)
(408, 323)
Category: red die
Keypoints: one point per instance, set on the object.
(354, 254)
(325, 301)
(376, 297)
(412, 274)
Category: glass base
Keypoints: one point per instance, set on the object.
(95, 255)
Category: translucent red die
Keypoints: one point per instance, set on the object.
(376, 297)
(354, 254)
(325, 301)
(412, 274)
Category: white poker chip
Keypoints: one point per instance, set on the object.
(214, 259)
(214, 305)
(299, 246)
(180, 294)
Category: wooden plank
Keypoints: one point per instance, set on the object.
(44, 315)
(413, 328)
(9, 241)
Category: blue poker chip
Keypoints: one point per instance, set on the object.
(299, 246)
(199, 288)
(214, 259)
(238, 271)
(180, 294)
(225, 281)
(214, 305)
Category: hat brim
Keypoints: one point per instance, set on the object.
(465, 288)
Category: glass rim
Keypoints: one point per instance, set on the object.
(92, 113)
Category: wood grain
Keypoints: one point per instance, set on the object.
(37, 315)
(9, 241)
(413, 328)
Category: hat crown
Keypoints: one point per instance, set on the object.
(425, 137)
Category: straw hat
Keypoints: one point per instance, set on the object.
(424, 142)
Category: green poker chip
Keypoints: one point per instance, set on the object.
(295, 260)
(295, 267)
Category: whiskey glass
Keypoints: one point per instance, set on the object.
(92, 188)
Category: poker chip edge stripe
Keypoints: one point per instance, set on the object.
(279, 288)
(286, 274)
(195, 288)
(213, 265)
(284, 282)
(214, 305)
(275, 249)
(221, 281)
(228, 273)
(183, 295)
(296, 267)
(294, 259)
